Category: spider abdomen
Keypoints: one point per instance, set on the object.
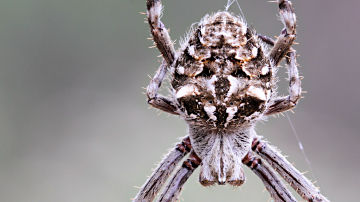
(222, 77)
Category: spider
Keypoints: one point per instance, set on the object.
(222, 82)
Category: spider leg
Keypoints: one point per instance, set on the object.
(275, 187)
(288, 102)
(156, 100)
(266, 39)
(159, 32)
(291, 175)
(164, 44)
(173, 189)
(288, 34)
(153, 185)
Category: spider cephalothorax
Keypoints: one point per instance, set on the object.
(222, 82)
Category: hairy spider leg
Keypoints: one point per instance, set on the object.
(287, 35)
(157, 179)
(275, 187)
(288, 102)
(286, 170)
(173, 189)
(163, 42)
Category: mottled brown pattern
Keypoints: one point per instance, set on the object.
(222, 45)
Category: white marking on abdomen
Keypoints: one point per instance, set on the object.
(181, 70)
(186, 91)
(210, 109)
(231, 113)
(254, 52)
(265, 70)
(234, 86)
(256, 92)
(210, 84)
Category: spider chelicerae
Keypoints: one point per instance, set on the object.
(222, 82)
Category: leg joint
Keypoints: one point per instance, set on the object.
(185, 146)
(251, 161)
(258, 145)
(192, 162)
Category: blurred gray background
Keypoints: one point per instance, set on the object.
(75, 126)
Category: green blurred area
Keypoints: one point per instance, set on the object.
(75, 126)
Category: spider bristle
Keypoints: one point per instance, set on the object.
(149, 38)
(301, 77)
(296, 43)
(304, 92)
(292, 111)
(272, 1)
(305, 172)
(149, 76)
(152, 46)
(142, 13)
(159, 56)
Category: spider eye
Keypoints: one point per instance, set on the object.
(239, 73)
(231, 103)
(210, 101)
(206, 72)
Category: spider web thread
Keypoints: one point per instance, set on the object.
(301, 147)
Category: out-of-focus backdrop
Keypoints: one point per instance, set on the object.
(75, 126)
